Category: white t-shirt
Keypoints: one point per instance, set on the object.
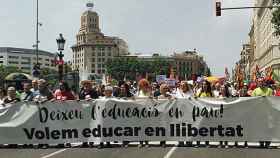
(181, 94)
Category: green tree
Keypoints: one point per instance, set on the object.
(276, 18)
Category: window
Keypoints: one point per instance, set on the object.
(103, 53)
(99, 59)
(1, 62)
(47, 59)
(25, 63)
(93, 59)
(109, 54)
(1, 57)
(99, 65)
(13, 57)
(99, 54)
(26, 58)
(13, 62)
(26, 68)
(103, 59)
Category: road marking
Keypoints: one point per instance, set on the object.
(54, 153)
(170, 152)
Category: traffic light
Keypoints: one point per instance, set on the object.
(218, 9)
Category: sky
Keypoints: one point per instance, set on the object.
(148, 26)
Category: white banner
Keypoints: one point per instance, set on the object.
(239, 119)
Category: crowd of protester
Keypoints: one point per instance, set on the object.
(39, 91)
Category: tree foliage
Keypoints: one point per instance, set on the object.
(276, 18)
(120, 68)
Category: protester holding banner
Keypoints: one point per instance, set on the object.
(155, 89)
(34, 85)
(277, 90)
(206, 90)
(2, 95)
(184, 91)
(262, 90)
(108, 93)
(124, 92)
(64, 92)
(216, 91)
(43, 93)
(11, 96)
(27, 94)
(144, 88)
(144, 91)
(87, 92)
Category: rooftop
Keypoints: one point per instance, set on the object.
(24, 51)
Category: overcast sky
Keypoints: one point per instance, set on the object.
(148, 26)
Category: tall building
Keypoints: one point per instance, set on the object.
(189, 63)
(93, 49)
(25, 59)
(265, 45)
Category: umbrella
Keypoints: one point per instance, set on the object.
(18, 76)
(212, 79)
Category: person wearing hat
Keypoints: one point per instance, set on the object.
(87, 92)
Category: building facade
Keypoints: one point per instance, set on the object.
(93, 49)
(188, 63)
(265, 45)
(25, 59)
(183, 65)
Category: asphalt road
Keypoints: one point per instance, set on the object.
(135, 152)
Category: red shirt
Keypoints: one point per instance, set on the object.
(277, 93)
(63, 95)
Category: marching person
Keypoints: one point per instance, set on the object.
(165, 94)
(184, 92)
(27, 94)
(64, 92)
(87, 92)
(206, 91)
(43, 93)
(2, 95)
(262, 90)
(11, 96)
(144, 91)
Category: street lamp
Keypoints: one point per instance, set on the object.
(60, 46)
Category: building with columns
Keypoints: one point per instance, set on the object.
(93, 49)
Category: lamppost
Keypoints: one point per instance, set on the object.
(36, 67)
(60, 46)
